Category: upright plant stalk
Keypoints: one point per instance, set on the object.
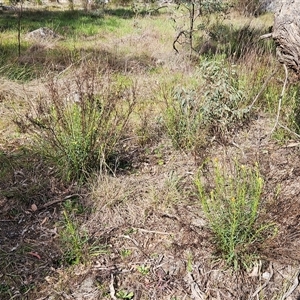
(192, 19)
(20, 11)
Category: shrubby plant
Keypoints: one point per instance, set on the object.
(223, 100)
(81, 132)
(232, 206)
(213, 108)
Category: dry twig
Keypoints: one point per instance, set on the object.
(280, 98)
(58, 201)
(112, 288)
(153, 231)
(195, 289)
(263, 88)
(136, 244)
(265, 284)
(293, 287)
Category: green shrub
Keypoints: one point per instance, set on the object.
(214, 108)
(81, 132)
(232, 206)
(183, 119)
(223, 101)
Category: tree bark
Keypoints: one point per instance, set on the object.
(286, 34)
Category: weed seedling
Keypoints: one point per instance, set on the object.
(125, 295)
(144, 270)
(125, 253)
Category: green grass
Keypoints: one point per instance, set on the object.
(76, 245)
(19, 72)
(67, 23)
(72, 26)
(74, 242)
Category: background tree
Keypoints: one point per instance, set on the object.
(194, 9)
(18, 6)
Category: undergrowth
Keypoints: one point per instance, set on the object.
(80, 123)
(233, 206)
(80, 131)
(76, 245)
(215, 107)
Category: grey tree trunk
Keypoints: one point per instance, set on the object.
(286, 34)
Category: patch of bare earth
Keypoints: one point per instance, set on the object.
(29, 212)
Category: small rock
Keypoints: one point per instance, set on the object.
(266, 275)
(33, 207)
(198, 222)
(43, 34)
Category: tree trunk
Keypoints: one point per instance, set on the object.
(286, 34)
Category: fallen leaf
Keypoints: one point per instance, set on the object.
(35, 254)
(33, 207)
(44, 221)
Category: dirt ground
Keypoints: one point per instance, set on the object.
(158, 244)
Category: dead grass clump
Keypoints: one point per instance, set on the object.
(35, 54)
(160, 183)
(10, 90)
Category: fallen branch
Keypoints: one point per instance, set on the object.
(58, 201)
